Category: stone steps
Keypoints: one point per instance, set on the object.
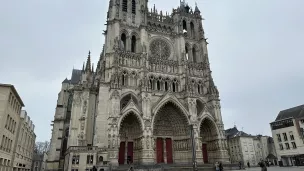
(206, 167)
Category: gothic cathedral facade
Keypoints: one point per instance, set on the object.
(152, 84)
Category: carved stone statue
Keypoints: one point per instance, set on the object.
(144, 48)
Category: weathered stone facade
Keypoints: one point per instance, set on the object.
(153, 81)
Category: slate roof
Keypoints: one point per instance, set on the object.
(66, 81)
(234, 132)
(230, 132)
(295, 112)
(76, 76)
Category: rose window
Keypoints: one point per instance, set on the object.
(160, 49)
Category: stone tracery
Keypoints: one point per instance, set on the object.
(160, 49)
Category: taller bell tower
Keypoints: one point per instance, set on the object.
(122, 14)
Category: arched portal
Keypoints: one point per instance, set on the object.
(171, 132)
(208, 135)
(130, 134)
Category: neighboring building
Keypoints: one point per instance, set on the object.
(152, 81)
(241, 147)
(26, 142)
(39, 162)
(287, 131)
(16, 132)
(265, 149)
(10, 109)
(248, 148)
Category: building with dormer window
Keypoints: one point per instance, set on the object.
(287, 131)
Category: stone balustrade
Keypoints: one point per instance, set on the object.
(80, 149)
(164, 66)
(129, 59)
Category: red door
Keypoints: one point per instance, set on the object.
(130, 151)
(205, 153)
(159, 150)
(169, 150)
(121, 157)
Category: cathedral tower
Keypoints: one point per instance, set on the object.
(151, 85)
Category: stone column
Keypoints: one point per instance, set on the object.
(128, 46)
(126, 151)
(198, 146)
(147, 154)
(165, 150)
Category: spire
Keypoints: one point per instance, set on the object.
(88, 66)
(83, 66)
(92, 67)
(99, 62)
(196, 9)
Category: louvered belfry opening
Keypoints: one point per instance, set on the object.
(125, 5)
(133, 7)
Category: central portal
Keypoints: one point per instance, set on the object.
(171, 133)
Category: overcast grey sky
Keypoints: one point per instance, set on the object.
(255, 50)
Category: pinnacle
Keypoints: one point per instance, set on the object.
(88, 66)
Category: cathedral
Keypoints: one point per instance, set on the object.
(151, 89)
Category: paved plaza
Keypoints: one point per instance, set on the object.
(277, 169)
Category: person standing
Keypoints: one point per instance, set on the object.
(248, 164)
(263, 165)
(221, 166)
(217, 167)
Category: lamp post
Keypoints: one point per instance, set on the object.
(193, 149)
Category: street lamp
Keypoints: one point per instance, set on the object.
(193, 149)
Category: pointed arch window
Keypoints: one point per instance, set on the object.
(125, 5)
(151, 84)
(158, 85)
(133, 7)
(194, 54)
(184, 25)
(174, 87)
(187, 52)
(124, 79)
(123, 41)
(133, 44)
(192, 29)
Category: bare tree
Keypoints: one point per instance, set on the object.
(41, 147)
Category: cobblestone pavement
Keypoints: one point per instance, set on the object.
(276, 169)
